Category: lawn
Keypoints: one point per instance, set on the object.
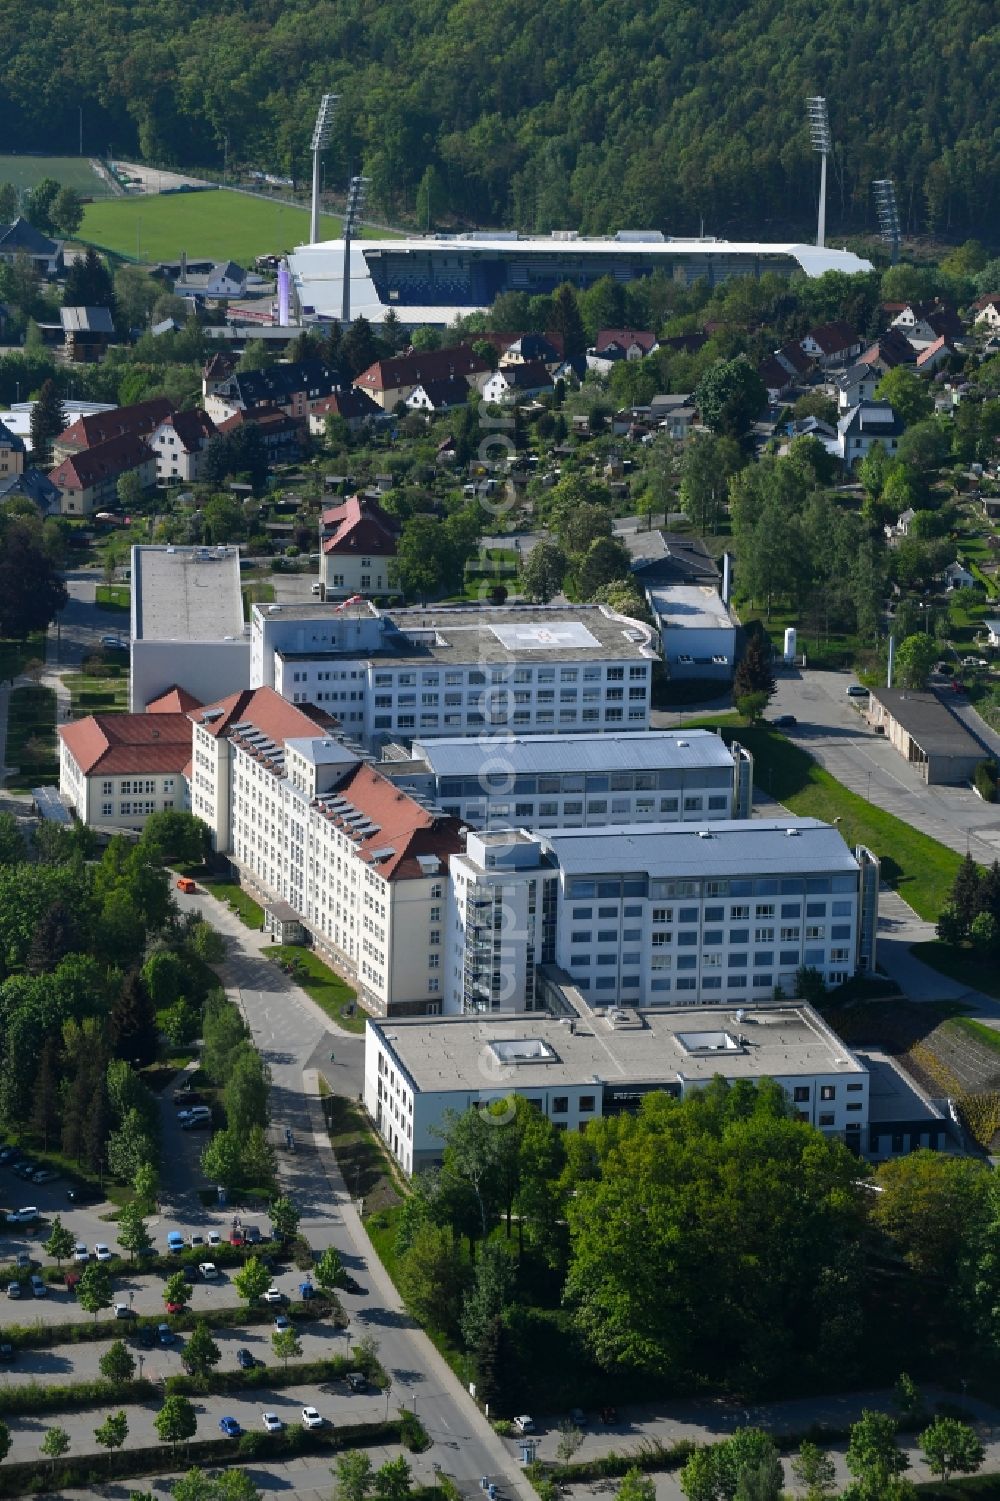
(367, 1168)
(71, 171)
(916, 866)
(31, 738)
(250, 913)
(113, 596)
(14, 654)
(256, 594)
(968, 969)
(97, 695)
(327, 989)
(220, 224)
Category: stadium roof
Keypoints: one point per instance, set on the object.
(317, 269)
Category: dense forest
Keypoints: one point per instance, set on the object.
(589, 114)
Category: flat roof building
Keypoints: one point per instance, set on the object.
(925, 733)
(182, 598)
(696, 628)
(562, 781)
(576, 1069)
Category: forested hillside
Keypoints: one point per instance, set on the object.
(588, 114)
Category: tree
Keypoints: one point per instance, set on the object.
(358, 349)
(915, 658)
(751, 706)
(67, 211)
(177, 1290)
(255, 356)
(287, 1345)
(173, 835)
(329, 1270)
(730, 397)
(55, 937)
(200, 1353)
(543, 571)
(60, 1242)
(762, 1481)
(48, 419)
(176, 1421)
(130, 1146)
(5, 1441)
(706, 465)
(113, 1432)
(354, 1476)
(222, 1160)
(814, 1471)
(635, 1486)
(566, 320)
(923, 448)
(873, 1456)
(497, 1375)
(432, 1278)
(284, 1219)
(10, 200)
(129, 489)
(245, 1097)
(253, 1280)
(117, 1364)
(12, 846)
(754, 673)
(39, 205)
(908, 395)
(491, 1293)
(570, 1439)
(145, 1182)
(606, 561)
(93, 1291)
(951, 1447)
(54, 1445)
(132, 1029)
(229, 1485)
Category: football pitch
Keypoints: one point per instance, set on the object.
(71, 171)
(218, 225)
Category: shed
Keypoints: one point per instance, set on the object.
(921, 727)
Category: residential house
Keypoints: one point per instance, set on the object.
(222, 280)
(894, 530)
(439, 395)
(615, 344)
(22, 238)
(12, 450)
(351, 405)
(992, 629)
(856, 384)
(987, 310)
(117, 769)
(34, 485)
(88, 479)
(868, 423)
(289, 387)
(179, 443)
(889, 350)
(136, 421)
(389, 382)
(831, 344)
(357, 545)
(281, 434)
(778, 381)
(513, 383)
(957, 576)
(924, 322)
(933, 355)
(87, 332)
(526, 349)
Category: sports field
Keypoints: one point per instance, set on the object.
(221, 224)
(71, 171)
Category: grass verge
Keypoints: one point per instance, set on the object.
(367, 1167)
(325, 987)
(250, 913)
(31, 737)
(94, 695)
(113, 597)
(964, 966)
(918, 867)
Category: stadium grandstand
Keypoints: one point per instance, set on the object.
(435, 278)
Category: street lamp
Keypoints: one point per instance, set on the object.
(322, 131)
(819, 134)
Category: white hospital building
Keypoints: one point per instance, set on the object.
(438, 671)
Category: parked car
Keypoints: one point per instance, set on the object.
(208, 1270)
(524, 1424)
(44, 1175)
(9, 1155)
(784, 721)
(273, 1295)
(23, 1261)
(6, 1353)
(214, 1238)
(855, 690)
(245, 1360)
(357, 1381)
(271, 1422)
(13, 1289)
(195, 1240)
(122, 1311)
(230, 1427)
(175, 1241)
(185, 884)
(102, 1252)
(146, 1336)
(38, 1288)
(165, 1334)
(114, 643)
(25, 1168)
(26, 1216)
(281, 1323)
(311, 1418)
(80, 1252)
(175, 1307)
(193, 1113)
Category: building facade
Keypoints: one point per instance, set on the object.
(117, 769)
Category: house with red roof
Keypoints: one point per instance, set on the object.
(87, 480)
(116, 769)
(179, 442)
(388, 382)
(357, 541)
(987, 310)
(831, 344)
(136, 421)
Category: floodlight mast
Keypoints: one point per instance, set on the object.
(888, 215)
(352, 217)
(819, 133)
(322, 131)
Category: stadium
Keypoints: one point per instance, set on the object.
(434, 279)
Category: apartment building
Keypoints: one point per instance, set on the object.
(571, 781)
(325, 839)
(399, 673)
(576, 1070)
(658, 914)
(117, 769)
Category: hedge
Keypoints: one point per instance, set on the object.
(91, 1471)
(44, 1336)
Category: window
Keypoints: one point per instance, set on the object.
(560, 1104)
(763, 935)
(814, 930)
(583, 911)
(739, 913)
(587, 1104)
(765, 909)
(815, 909)
(788, 957)
(790, 935)
(791, 909)
(826, 1120)
(800, 1093)
(660, 914)
(828, 1092)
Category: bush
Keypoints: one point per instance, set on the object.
(412, 1433)
(985, 781)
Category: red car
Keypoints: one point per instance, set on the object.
(175, 1307)
(236, 1238)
